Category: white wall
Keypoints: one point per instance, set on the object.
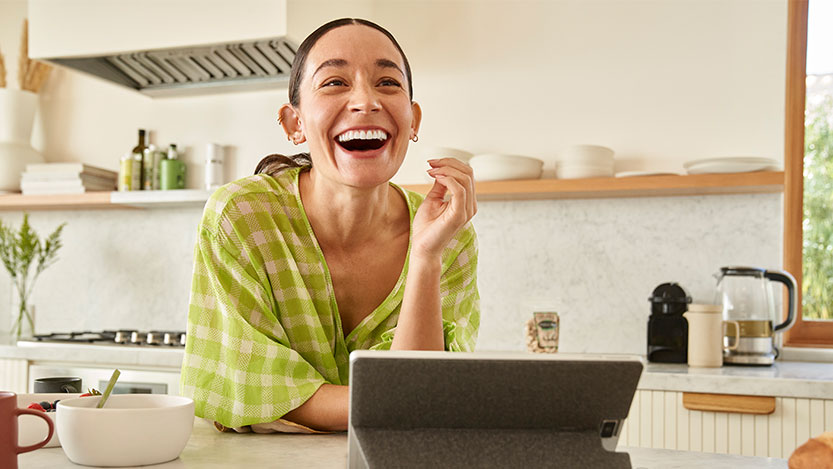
(661, 82)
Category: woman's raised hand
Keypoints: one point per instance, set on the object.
(440, 218)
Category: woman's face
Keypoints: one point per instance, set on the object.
(355, 111)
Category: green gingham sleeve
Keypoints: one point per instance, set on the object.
(238, 367)
(459, 297)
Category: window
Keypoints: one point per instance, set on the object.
(808, 165)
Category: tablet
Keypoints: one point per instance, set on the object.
(483, 409)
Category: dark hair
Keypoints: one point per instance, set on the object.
(275, 163)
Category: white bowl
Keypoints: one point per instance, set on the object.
(578, 171)
(588, 154)
(495, 167)
(131, 429)
(31, 430)
(431, 153)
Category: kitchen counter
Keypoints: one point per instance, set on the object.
(786, 379)
(96, 354)
(209, 448)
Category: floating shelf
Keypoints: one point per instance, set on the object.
(532, 189)
(644, 186)
(106, 200)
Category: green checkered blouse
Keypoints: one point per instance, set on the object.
(263, 325)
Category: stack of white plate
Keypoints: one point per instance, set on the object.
(431, 153)
(732, 164)
(586, 161)
(496, 167)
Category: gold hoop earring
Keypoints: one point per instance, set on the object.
(415, 138)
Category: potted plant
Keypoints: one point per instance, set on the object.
(25, 256)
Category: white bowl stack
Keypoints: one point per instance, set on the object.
(431, 153)
(586, 161)
(497, 167)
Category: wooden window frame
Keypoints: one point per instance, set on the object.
(803, 333)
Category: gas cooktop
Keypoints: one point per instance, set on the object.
(120, 337)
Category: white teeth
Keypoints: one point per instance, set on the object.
(363, 135)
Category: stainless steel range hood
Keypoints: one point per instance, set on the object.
(177, 47)
(180, 71)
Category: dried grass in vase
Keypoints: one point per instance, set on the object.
(2, 71)
(30, 73)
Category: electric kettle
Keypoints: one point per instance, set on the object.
(747, 297)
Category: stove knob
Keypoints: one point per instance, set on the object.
(122, 337)
(137, 338)
(154, 338)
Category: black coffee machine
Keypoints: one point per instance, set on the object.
(667, 328)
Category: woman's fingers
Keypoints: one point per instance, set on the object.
(462, 173)
(457, 204)
(464, 181)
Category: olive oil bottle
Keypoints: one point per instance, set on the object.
(138, 152)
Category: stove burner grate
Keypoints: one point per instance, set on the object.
(119, 337)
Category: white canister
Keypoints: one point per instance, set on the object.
(705, 335)
(214, 159)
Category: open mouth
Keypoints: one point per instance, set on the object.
(362, 140)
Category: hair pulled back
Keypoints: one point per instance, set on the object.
(275, 163)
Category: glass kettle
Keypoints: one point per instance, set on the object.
(747, 297)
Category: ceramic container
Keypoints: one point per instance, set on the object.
(131, 429)
(30, 431)
(705, 335)
(17, 116)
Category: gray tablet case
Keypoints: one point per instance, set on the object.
(432, 409)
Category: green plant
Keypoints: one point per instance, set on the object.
(25, 256)
(817, 284)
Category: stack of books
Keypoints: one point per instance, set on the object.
(66, 178)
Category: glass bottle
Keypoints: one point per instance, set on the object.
(138, 161)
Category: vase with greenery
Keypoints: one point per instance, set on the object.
(25, 256)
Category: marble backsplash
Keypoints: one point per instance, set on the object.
(595, 262)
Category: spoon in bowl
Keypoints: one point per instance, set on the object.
(109, 389)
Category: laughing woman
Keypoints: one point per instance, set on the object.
(320, 254)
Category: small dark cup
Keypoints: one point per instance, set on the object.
(67, 384)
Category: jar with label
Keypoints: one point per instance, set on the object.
(172, 171)
(149, 168)
(214, 159)
(126, 172)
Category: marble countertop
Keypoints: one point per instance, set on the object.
(209, 448)
(95, 354)
(786, 379)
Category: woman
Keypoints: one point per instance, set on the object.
(315, 257)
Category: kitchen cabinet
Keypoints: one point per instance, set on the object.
(14, 374)
(650, 186)
(81, 25)
(658, 419)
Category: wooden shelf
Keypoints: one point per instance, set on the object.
(89, 200)
(646, 186)
(106, 200)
